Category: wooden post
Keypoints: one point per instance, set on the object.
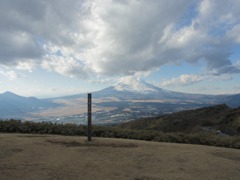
(89, 117)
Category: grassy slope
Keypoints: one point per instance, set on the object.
(26, 156)
(192, 121)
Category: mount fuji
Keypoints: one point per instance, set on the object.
(135, 85)
(128, 99)
(135, 89)
(132, 88)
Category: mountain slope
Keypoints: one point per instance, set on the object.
(192, 121)
(131, 89)
(126, 100)
(133, 98)
(138, 89)
(12, 104)
(233, 100)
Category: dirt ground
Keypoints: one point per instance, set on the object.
(52, 157)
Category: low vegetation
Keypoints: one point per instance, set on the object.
(219, 118)
(213, 126)
(211, 139)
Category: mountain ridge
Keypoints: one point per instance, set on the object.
(12, 105)
(206, 119)
(138, 89)
(125, 90)
(133, 99)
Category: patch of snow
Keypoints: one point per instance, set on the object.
(134, 84)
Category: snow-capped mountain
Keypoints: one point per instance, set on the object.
(130, 98)
(135, 85)
(132, 88)
(135, 88)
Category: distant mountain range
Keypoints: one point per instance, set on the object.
(137, 89)
(134, 98)
(12, 105)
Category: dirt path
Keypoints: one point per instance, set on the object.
(63, 157)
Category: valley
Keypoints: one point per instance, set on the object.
(108, 111)
(125, 101)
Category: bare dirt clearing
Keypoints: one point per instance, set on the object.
(26, 156)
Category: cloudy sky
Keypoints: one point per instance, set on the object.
(56, 47)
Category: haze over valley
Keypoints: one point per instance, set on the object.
(126, 100)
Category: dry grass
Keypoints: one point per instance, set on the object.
(63, 157)
(78, 106)
(72, 107)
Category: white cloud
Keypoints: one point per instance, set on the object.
(237, 87)
(10, 74)
(65, 65)
(234, 33)
(227, 69)
(188, 79)
(61, 92)
(101, 80)
(105, 38)
(26, 65)
(184, 79)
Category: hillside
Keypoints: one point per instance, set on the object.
(26, 156)
(207, 119)
(13, 105)
(128, 99)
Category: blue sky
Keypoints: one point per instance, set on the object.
(54, 48)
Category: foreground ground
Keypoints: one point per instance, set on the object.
(25, 156)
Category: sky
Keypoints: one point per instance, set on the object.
(50, 48)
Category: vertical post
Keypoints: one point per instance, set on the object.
(89, 117)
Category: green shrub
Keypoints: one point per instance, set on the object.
(17, 126)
